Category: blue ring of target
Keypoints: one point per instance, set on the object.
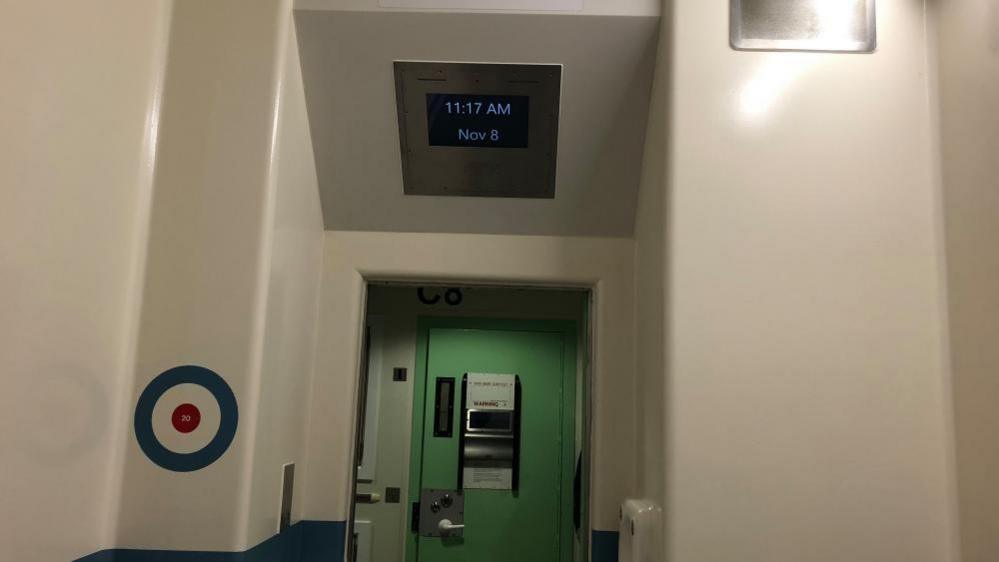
(228, 410)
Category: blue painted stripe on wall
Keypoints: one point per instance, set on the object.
(323, 541)
(305, 541)
(604, 546)
(102, 556)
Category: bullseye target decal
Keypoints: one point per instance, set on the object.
(186, 418)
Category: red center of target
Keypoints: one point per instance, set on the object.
(186, 418)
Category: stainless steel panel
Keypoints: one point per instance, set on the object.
(803, 25)
(483, 172)
(489, 450)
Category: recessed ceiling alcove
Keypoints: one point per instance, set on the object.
(607, 52)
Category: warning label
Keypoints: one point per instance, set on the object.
(491, 392)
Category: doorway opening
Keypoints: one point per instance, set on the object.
(472, 425)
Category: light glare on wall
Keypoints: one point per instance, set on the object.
(768, 83)
(803, 25)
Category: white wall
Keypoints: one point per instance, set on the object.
(804, 318)
(77, 139)
(802, 353)
(348, 58)
(651, 288)
(605, 263)
(232, 265)
(292, 310)
(968, 58)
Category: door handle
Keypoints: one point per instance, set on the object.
(446, 526)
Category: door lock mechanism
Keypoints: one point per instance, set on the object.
(442, 513)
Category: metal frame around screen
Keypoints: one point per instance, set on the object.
(484, 172)
(790, 36)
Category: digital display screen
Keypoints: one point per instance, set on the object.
(502, 421)
(478, 120)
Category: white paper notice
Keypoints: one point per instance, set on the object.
(491, 392)
(488, 478)
(519, 5)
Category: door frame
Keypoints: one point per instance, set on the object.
(572, 332)
(585, 345)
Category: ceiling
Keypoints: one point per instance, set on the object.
(608, 60)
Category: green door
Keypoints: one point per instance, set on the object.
(533, 523)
